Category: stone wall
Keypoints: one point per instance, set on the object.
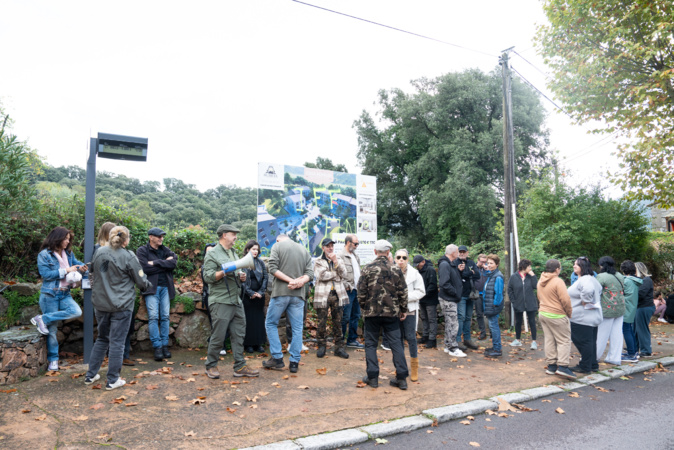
(23, 354)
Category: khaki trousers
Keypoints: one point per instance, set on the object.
(557, 333)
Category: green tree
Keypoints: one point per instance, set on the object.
(326, 164)
(437, 154)
(613, 63)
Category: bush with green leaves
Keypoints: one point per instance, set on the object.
(17, 303)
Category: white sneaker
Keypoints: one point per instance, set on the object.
(89, 381)
(660, 319)
(117, 384)
(446, 350)
(516, 343)
(385, 348)
(534, 345)
(305, 348)
(223, 352)
(53, 365)
(457, 353)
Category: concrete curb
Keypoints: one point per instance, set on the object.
(357, 435)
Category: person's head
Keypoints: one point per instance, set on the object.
(607, 264)
(419, 262)
(351, 242)
(382, 247)
(481, 260)
(553, 266)
(463, 252)
(282, 237)
(401, 258)
(642, 270)
(492, 262)
(253, 247)
(657, 294)
(58, 239)
(452, 252)
(628, 268)
(582, 267)
(119, 237)
(156, 237)
(104, 233)
(328, 246)
(524, 265)
(227, 235)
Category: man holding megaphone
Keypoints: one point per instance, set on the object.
(223, 273)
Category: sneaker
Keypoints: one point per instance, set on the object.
(565, 372)
(89, 381)
(551, 369)
(470, 344)
(117, 384)
(213, 373)
(516, 343)
(223, 352)
(400, 384)
(246, 371)
(492, 353)
(482, 336)
(446, 350)
(355, 344)
(383, 347)
(372, 382)
(660, 319)
(629, 358)
(305, 348)
(273, 363)
(41, 327)
(579, 370)
(53, 365)
(128, 362)
(457, 353)
(534, 345)
(294, 366)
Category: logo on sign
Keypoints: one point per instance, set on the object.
(271, 173)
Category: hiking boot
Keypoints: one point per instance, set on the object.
(259, 349)
(158, 354)
(462, 347)
(470, 344)
(516, 343)
(128, 362)
(41, 327)
(565, 372)
(89, 381)
(482, 336)
(321, 351)
(213, 373)
(423, 340)
(400, 384)
(355, 344)
(341, 353)
(294, 366)
(250, 350)
(117, 384)
(492, 353)
(246, 371)
(274, 363)
(551, 369)
(372, 382)
(432, 343)
(167, 353)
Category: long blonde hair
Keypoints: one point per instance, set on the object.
(104, 233)
(118, 236)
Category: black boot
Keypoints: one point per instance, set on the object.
(158, 354)
(166, 352)
(432, 343)
(400, 384)
(341, 353)
(423, 340)
(321, 352)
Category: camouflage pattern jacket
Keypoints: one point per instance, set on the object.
(382, 290)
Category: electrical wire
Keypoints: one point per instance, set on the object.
(540, 92)
(527, 61)
(396, 29)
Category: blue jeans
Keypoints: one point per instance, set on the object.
(630, 339)
(158, 306)
(294, 309)
(495, 332)
(350, 317)
(641, 329)
(465, 313)
(60, 306)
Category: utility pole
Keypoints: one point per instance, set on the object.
(509, 198)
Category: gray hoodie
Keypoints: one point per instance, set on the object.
(116, 272)
(586, 301)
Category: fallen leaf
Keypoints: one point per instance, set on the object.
(302, 387)
(601, 389)
(523, 408)
(429, 431)
(190, 433)
(25, 411)
(199, 401)
(489, 428)
(559, 411)
(191, 380)
(574, 395)
(360, 384)
(96, 386)
(546, 401)
(474, 444)
(504, 405)
(466, 422)
(285, 377)
(322, 371)
(7, 391)
(470, 418)
(490, 412)
(81, 418)
(503, 415)
(263, 394)
(252, 406)
(381, 441)
(171, 398)
(487, 419)
(231, 410)
(151, 387)
(170, 363)
(130, 404)
(276, 384)
(42, 417)
(77, 375)
(236, 403)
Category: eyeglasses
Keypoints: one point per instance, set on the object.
(356, 244)
(401, 257)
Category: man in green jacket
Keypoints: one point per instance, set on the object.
(224, 304)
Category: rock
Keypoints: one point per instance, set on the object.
(143, 333)
(66, 330)
(76, 335)
(60, 337)
(4, 304)
(144, 346)
(175, 318)
(3, 378)
(142, 311)
(200, 305)
(30, 351)
(76, 320)
(13, 358)
(28, 313)
(26, 289)
(178, 308)
(194, 330)
(17, 375)
(193, 295)
(73, 347)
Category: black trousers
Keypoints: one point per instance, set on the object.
(531, 320)
(584, 337)
(391, 328)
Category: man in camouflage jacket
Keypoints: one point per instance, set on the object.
(382, 294)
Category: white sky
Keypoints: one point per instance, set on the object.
(218, 86)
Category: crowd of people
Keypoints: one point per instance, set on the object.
(396, 295)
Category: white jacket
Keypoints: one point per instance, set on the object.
(415, 288)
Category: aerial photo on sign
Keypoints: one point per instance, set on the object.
(311, 204)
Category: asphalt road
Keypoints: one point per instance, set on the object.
(635, 414)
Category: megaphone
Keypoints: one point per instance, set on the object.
(247, 262)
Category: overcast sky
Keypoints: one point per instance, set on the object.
(218, 86)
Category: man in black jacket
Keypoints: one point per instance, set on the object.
(428, 304)
(449, 294)
(469, 275)
(158, 262)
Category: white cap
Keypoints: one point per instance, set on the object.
(382, 245)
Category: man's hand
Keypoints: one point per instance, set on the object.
(169, 258)
(333, 257)
(242, 276)
(531, 272)
(150, 263)
(462, 266)
(403, 316)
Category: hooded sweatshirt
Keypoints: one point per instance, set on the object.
(585, 296)
(553, 296)
(632, 285)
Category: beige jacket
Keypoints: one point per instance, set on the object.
(326, 278)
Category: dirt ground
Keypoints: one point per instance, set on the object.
(172, 404)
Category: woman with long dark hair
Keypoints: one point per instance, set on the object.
(612, 310)
(60, 271)
(521, 287)
(645, 309)
(254, 289)
(585, 296)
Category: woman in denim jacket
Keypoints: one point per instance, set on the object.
(55, 262)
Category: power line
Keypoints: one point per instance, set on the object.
(527, 61)
(397, 29)
(540, 92)
(588, 152)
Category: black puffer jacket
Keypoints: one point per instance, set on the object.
(521, 292)
(449, 280)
